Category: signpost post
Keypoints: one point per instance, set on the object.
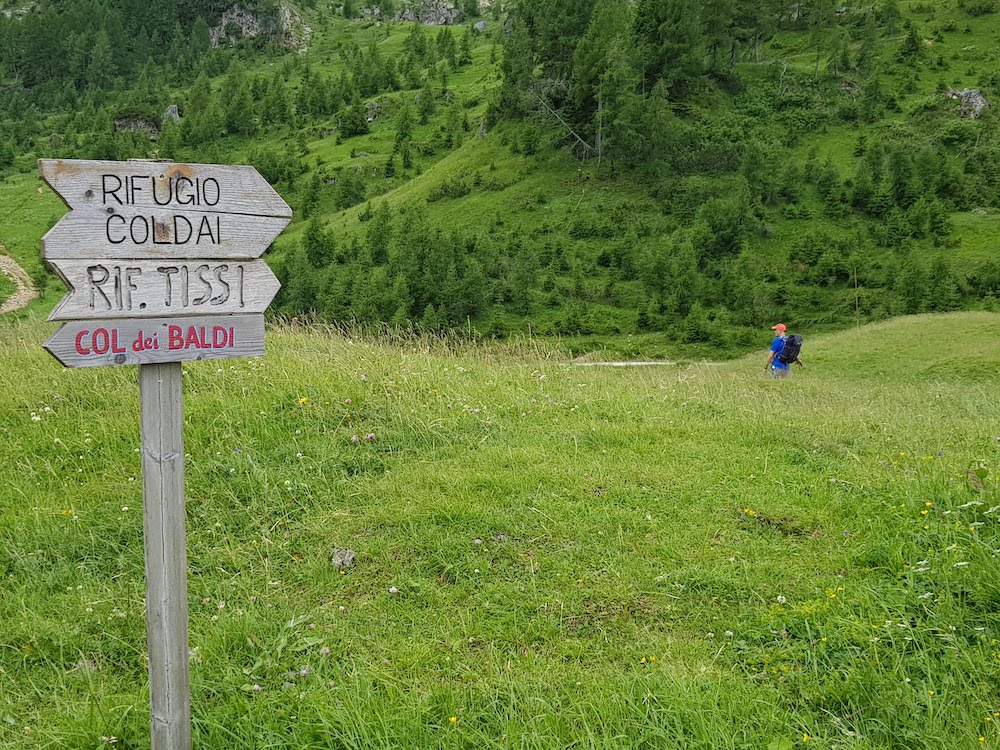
(160, 260)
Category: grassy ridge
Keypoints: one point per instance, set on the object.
(670, 557)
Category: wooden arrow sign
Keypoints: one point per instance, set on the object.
(150, 185)
(115, 232)
(148, 289)
(94, 343)
(160, 210)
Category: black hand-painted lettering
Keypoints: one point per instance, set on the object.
(105, 178)
(167, 272)
(97, 275)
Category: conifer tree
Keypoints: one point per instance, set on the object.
(822, 20)
(201, 38)
(517, 66)
(427, 105)
(671, 41)
(611, 23)
(102, 65)
(717, 22)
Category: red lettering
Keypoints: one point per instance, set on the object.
(115, 348)
(192, 338)
(175, 338)
(232, 338)
(100, 341)
(79, 342)
(219, 337)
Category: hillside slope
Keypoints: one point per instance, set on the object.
(439, 180)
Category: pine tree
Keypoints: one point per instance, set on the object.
(404, 122)
(102, 65)
(169, 142)
(610, 26)
(427, 105)
(717, 22)
(431, 320)
(310, 198)
(298, 291)
(238, 102)
(822, 19)
(465, 49)
(7, 154)
(378, 238)
(517, 66)
(353, 121)
(201, 38)
(670, 41)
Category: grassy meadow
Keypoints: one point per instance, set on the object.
(547, 555)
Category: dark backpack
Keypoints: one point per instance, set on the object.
(790, 351)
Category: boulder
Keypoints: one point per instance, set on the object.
(135, 124)
(972, 102)
(432, 12)
(343, 558)
(481, 26)
(171, 114)
(238, 22)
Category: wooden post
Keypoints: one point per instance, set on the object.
(161, 425)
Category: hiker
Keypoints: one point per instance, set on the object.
(784, 350)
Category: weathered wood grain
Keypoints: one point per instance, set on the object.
(161, 417)
(109, 289)
(96, 343)
(149, 184)
(128, 232)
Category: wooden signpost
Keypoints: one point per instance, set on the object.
(125, 289)
(160, 260)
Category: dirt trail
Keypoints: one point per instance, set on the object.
(25, 288)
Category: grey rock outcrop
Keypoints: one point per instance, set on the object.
(171, 114)
(135, 124)
(972, 102)
(238, 23)
(343, 558)
(432, 13)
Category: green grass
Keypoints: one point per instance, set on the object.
(7, 288)
(978, 232)
(30, 208)
(791, 553)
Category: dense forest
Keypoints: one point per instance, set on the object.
(753, 160)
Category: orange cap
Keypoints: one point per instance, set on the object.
(780, 327)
